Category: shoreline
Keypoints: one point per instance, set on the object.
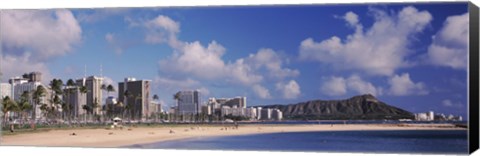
(130, 136)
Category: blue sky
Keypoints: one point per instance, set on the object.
(411, 56)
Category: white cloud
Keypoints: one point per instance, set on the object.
(402, 85)
(118, 44)
(449, 103)
(378, 51)
(356, 83)
(175, 84)
(30, 38)
(351, 18)
(164, 22)
(112, 41)
(204, 91)
(268, 59)
(241, 72)
(18, 65)
(261, 92)
(290, 90)
(335, 86)
(109, 81)
(45, 34)
(205, 62)
(450, 44)
(162, 29)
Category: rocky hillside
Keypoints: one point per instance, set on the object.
(363, 107)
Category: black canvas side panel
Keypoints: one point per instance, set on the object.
(473, 78)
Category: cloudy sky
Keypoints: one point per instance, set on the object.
(412, 56)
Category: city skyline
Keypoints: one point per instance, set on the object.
(255, 51)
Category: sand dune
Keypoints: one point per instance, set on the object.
(142, 135)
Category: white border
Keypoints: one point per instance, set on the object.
(47, 4)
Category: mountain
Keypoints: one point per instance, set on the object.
(362, 107)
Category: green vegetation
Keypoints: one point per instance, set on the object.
(236, 118)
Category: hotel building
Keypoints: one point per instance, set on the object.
(94, 92)
(189, 102)
(138, 97)
(76, 99)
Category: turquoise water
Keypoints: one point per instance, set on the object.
(403, 141)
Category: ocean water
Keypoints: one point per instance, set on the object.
(401, 141)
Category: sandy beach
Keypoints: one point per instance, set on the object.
(141, 135)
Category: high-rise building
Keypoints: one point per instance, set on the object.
(34, 77)
(189, 102)
(430, 116)
(237, 102)
(94, 92)
(266, 114)
(249, 113)
(173, 110)
(259, 112)
(135, 93)
(216, 103)
(277, 114)
(155, 108)
(5, 90)
(28, 83)
(76, 99)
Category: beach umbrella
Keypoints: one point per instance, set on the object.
(117, 119)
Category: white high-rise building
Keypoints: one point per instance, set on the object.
(259, 112)
(215, 104)
(430, 116)
(277, 114)
(6, 90)
(19, 85)
(94, 91)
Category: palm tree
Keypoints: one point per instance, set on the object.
(37, 95)
(57, 102)
(66, 110)
(138, 97)
(103, 87)
(24, 106)
(44, 108)
(86, 109)
(176, 97)
(66, 106)
(155, 98)
(83, 91)
(120, 105)
(8, 105)
(94, 107)
(56, 86)
(109, 89)
(127, 107)
(70, 82)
